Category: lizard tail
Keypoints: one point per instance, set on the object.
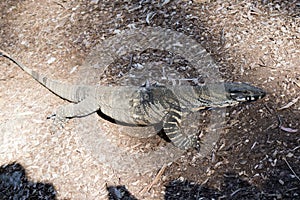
(34, 74)
(64, 91)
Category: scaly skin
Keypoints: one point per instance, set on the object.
(145, 105)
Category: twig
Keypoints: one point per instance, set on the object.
(156, 179)
(298, 84)
(290, 103)
(130, 62)
(278, 117)
(291, 169)
(268, 109)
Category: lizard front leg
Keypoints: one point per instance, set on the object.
(81, 109)
(172, 128)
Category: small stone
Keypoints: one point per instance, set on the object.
(95, 1)
(243, 162)
(51, 60)
(281, 182)
(289, 155)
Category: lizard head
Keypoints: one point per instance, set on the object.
(243, 92)
(226, 94)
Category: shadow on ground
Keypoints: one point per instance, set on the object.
(15, 185)
(234, 187)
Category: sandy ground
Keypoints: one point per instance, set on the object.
(257, 158)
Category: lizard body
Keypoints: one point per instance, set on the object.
(145, 105)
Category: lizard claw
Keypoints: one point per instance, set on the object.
(196, 143)
(52, 116)
(58, 123)
(150, 83)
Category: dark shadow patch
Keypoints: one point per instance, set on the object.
(234, 187)
(188, 190)
(119, 193)
(15, 185)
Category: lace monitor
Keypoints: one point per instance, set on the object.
(146, 105)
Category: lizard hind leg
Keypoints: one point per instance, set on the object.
(172, 128)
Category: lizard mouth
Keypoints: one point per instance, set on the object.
(246, 96)
(242, 92)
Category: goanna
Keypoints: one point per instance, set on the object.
(145, 105)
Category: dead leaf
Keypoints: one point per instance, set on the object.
(289, 104)
(289, 130)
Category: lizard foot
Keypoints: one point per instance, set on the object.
(196, 143)
(58, 123)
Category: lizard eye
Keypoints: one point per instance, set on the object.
(146, 97)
